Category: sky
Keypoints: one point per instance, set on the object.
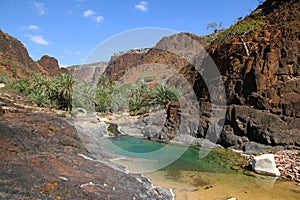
(70, 30)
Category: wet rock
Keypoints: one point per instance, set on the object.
(265, 164)
(113, 129)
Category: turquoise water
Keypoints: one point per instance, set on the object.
(136, 145)
(176, 157)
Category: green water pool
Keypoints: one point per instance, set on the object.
(218, 175)
(175, 157)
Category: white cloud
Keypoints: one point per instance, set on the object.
(40, 7)
(33, 28)
(39, 39)
(99, 19)
(88, 13)
(142, 6)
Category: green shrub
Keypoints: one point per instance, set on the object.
(248, 25)
(22, 86)
(164, 94)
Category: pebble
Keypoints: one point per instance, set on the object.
(288, 163)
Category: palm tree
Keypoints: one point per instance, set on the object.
(65, 84)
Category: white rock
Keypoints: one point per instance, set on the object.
(265, 164)
(2, 85)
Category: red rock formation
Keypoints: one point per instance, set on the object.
(15, 60)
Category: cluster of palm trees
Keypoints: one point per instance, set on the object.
(137, 98)
(63, 92)
(53, 92)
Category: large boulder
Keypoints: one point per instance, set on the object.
(265, 164)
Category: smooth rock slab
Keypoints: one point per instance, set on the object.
(265, 164)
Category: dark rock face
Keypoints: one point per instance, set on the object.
(262, 89)
(267, 79)
(262, 127)
(265, 83)
(42, 157)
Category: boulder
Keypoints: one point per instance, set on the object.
(254, 147)
(265, 164)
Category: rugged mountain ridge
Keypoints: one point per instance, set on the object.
(15, 60)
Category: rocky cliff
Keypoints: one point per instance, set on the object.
(259, 64)
(161, 62)
(89, 72)
(263, 84)
(15, 60)
(50, 64)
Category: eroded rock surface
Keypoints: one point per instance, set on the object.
(42, 157)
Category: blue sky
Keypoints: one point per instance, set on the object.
(70, 29)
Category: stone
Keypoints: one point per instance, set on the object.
(265, 165)
(254, 147)
(2, 85)
(1, 111)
